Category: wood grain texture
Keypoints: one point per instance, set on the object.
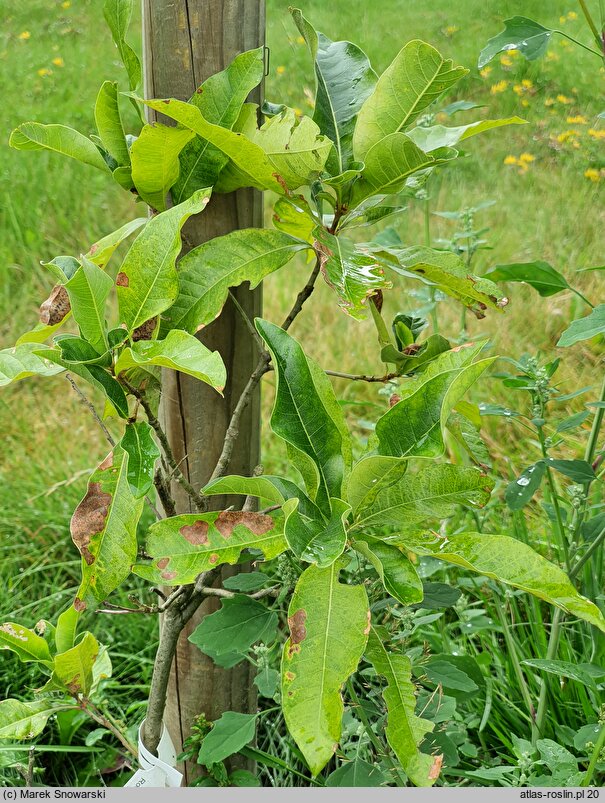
(186, 41)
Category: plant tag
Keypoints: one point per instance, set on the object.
(157, 771)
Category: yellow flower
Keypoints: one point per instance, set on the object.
(526, 158)
(298, 112)
(513, 52)
(451, 30)
(525, 102)
(518, 89)
(281, 69)
(485, 72)
(596, 133)
(562, 20)
(498, 87)
(24, 35)
(44, 72)
(65, 4)
(549, 102)
(58, 62)
(300, 40)
(552, 57)
(506, 61)
(526, 83)
(592, 174)
(572, 15)
(563, 99)
(578, 119)
(510, 160)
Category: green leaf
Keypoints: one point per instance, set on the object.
(27, 645)
(430, 138)
(109, 123)
(103, 528)
(396, 571)
(184, 546)
(576, 470)
(520, 33)
(370, 476)
(89, 289)
(26, 359)
(101, 252)
(74, 668)
(306, 414)
(442, 671)
(315, 540)
(539, 275)
(228, 735)
(58, 138)
(155, 161)
(219, 99)
(357, 773)
(274, 490)
(266, 681)
(404, 730)
(417, 76)
(294, 217)
(148, 282)
(584, 328)
(329, 623)
(179, 351)
(246, 582)
(414, 426)
(519, 492)
(207, 272)
(354, 275)
(20, 720)
(508, 561)
(563, 669)
(143, 452)
(434, 492)
(249, 160)
(345, 79)
(447, 272)
(235, 627)
(118, 14)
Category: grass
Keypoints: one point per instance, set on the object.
(52, 57)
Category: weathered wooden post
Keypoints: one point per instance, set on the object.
(186, 41)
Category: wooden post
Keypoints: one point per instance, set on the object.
(186, 41)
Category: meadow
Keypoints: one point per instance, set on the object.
(545, 180)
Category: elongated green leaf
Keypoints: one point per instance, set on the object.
(396, 570)
(249, 159)
(155, 161)
(20, 720)
(345, 79)
(235, 627)
(179, 351)
(138, 442)
(316, 540)
(147, 281)
(27, 645)
(184, 546)
(329, 624)
(219, 99)
(579, 673)
(207, 272)
(103, 528)
(118, 14)
(306, 414)
(40, 333)
(434, 492)
(370, 476)
(357, 773)
(404, 730)
(74, 668)
(539, 275)
(448, 273)
(109, 123)
(274, 490)
(519, 492)
(414, 426)
(576, 470)
(430, 138)
(354, 275)
(58, 138)
(26, 359)
(88, 290)
(416, 77)
(100, 252)
(584, 328)
(229, 734)
(509, 561)
(520, 33)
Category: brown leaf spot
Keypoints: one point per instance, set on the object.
(436, 767)
(73, 687)
(162, 563)
(107, 463)
(89, 519)
(289, 676)
(122, 279)
(145, 330)
(168, 575)
(196, 533)
(394, 399)
(56, 306)
(378, 299)
(257, 523)
(79, 605)
(296, 623)
(368, 627)
(213, 558)
(93, 249)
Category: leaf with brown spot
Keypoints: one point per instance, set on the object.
(193, 543)
(56, 306)
(73, 669)
(103, 528)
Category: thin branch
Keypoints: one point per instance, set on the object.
(224, 594)
(302, 296)
(248, 322)
(164, 494)
(87, 403)
(363, 377)
(105, 722)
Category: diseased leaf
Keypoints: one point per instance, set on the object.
(520, 33)
(306, 414)
(417, 76)
(143, 452)
(179, 351)
(316, 540)
(294, 217)
(100, 252)
(184, 546)
(207, 272)
(109, 123)
(229, 734)
(404, 730)
(20, 720)
(539, 275)
(235, 627)
(73, 669)
(155, 161)
(584, 328)
(370, 476)
(27, 645)
(509, 561)
(148, 282)
(58, 138)
(88, 291)
(329, 623)
(103, 528)
(118, 14)
(274, 490)
(26, 359)
(396, 571)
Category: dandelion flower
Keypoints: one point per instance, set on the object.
(498, 87)
(525, 102)
(58, 62)
(281, 69)
(484, 73)
(596, 133)
(562, 20)
(549, 102)
(592, 175)
(564, 99)
(527, 158)
(506, 61)
(572, 15)
(510, 160)
(24, 36)
(527, 84)
(65, 4)
(44, 71)
(451, 30)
